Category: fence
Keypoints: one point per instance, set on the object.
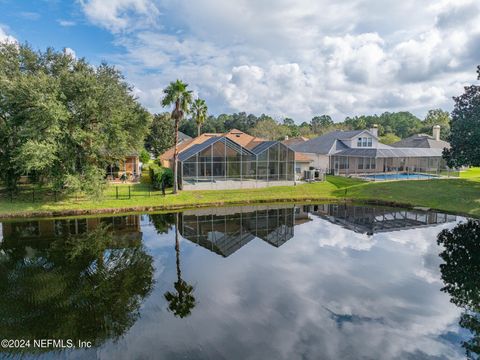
(32, 194)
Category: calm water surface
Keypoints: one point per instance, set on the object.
(272, 282)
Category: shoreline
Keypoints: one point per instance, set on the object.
(453, 196)
(116, 211)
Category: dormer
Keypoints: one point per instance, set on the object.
(362, 140)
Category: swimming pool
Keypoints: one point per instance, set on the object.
(399, 176)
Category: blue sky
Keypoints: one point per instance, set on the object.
(296, 58)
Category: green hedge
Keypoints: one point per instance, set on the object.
(157, 173)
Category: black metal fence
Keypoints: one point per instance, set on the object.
(33, 194)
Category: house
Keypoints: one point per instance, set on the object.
(127, 169)
(371, 220)
(232, 160)
(361, 152)
(424, 141)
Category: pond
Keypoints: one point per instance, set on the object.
(328, 281)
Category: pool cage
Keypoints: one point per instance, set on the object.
(393, 162)
(220, 159)
(226, 232)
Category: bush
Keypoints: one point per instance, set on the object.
(144, 156)
(157, 173)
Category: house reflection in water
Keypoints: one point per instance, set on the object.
(368, 219)
(126, 229)
(225, 230)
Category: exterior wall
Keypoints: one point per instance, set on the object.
(352, 143)
(301, 166)
(319, 161)
(130, 167)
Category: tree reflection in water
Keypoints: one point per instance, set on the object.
(181, 302)
(79, 287)
(461, 275)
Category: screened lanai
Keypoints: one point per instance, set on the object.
(388, 160)
(222, 162)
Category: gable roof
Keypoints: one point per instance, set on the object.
(323, 144)
(421, 141)
(184, 155)
(184, 145)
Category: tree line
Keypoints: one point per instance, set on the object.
(392, 126)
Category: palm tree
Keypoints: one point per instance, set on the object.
(182, 301)
(176, 93)
(199, 110)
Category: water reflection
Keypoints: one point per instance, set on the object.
(375, 219)
(461, 276)
(286, 282)
(80, 279)
(181, 302)
(225, 230)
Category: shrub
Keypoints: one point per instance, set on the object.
(144, 156)
(157, 173)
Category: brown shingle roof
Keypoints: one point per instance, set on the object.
(167, 155)
(241, 138)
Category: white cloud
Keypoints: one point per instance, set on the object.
(70, 52)
(120, 15)
(297, 58)
(4, 37)
(66, 23)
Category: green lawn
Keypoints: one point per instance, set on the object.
(453, 195)
(473, 172)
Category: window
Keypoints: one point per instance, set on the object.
(297, 170)
(364, 142)
(360, 163)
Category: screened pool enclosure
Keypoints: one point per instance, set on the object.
(221, 160)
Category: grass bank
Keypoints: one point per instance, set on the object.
(452, 195)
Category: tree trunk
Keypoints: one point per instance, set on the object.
(175, 155)
(199, 129)
(177, 248)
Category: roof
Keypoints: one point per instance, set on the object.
(295, 141)
(251, 144)
(323, 144)
(391, 152)
(240, 137)
(182, 136)
(262, 146)
(186, 154)
(421, 141)
(301, 157)
(167, 155)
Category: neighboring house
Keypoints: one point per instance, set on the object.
(183, 137)
(371, 220)
(360, 152)
(424, 141)
(232, 160)
(125, 170)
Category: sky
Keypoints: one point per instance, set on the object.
(285, 58)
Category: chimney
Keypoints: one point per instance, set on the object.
(286, 137)
(374, 130)
(436, 132)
